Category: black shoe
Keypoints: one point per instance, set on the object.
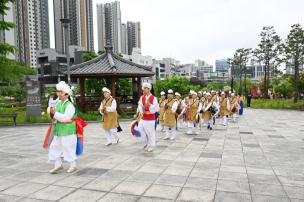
(208, 126)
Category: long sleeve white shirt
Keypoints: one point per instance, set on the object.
(68, 113)
(154, 107)
(112, 108)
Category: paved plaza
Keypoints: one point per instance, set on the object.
(260, 158)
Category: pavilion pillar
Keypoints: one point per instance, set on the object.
(112, 82)
(82, 93)
(139, 86)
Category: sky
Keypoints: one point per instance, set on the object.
(202, 29)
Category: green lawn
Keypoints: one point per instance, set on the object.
(277, 104)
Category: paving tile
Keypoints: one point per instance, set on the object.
(162, 191)
(83, 195)
(23, 189)
(114, 197)
(73, 181)
(201, 183)
(188, 194)
(263, 198)
(267, 189)
(233, 186)
(134, 188)
(173, 180)
(211, 155)
(51, 193)
(91, 172)
(222, 196)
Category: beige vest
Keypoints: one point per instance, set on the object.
(161, 109)
(169, 116)
(109, 118)
(193, 110)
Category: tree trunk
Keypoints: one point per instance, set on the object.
(296, 81)
(265, 81)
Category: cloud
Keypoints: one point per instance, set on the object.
(205, 29)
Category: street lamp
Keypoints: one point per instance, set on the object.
(65, 23)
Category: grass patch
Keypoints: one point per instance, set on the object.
(277, 104)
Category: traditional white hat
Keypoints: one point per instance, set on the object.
(162, 93)
(223, 93)
(177, 94)
(60, 85)
(146, 85)
(232, 94)
(208, 94)
(170, 91)
(67, 89)
(204, 93)
(194, 93)
(104, 89)
(191, 91)
(212, 91)
(200, 92)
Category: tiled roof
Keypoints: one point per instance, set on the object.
(110, 64)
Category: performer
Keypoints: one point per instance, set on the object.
(65, 139)
(147, 106)
(180, 110)
(193, 108)
(224, 108)
(108, 108)
(207, 112)
(169, 116)
(162, 109)
(233, 107)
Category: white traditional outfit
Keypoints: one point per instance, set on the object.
(108, 108)
(170, 117)
(65, 139)
(161, 110)
(146, 124)
(180, 108)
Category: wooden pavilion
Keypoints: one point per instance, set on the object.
(109, 66)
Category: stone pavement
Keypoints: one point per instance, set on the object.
(260, 158)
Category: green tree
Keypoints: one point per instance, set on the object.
(283, 88)
(268, 53)
(176, 83)
(6, 48)
(294, 53)
(239, 61)
(89, 55)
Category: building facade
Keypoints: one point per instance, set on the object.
(80, 13)
(109, 26)
(134, 36)
(32, 29)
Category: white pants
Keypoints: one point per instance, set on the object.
(208, 122)
(171, 132)
(180, 123)
(147, 131)
(224, 120)
(63, 146)
(191, 126)
(110, 134)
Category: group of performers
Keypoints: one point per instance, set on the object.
(170, 111)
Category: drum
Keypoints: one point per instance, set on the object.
(212, 109)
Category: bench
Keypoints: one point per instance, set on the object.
(14, 116)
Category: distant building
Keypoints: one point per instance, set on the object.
(221, 65)
(133, 36)
(81, 26)
(109, 26)
(32, 29)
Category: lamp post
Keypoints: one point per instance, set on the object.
(65, 21)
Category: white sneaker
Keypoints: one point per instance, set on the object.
(172, 138)
(197, 132)
(189, 132)
(71, 169)
(166, 138)
(150, 149)
(56, 170)
(108, 143)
